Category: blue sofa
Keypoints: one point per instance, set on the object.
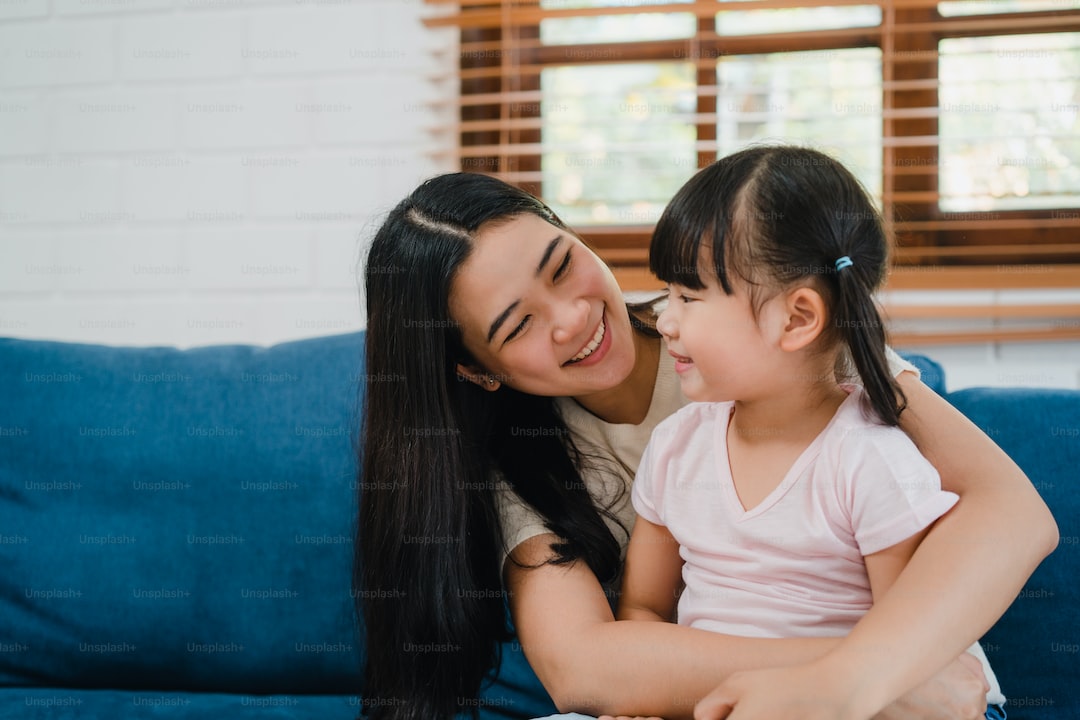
(176, 531)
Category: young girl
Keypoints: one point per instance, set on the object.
(783, 503)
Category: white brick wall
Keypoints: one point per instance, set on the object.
(186, 172)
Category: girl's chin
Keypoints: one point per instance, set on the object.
(692, 389)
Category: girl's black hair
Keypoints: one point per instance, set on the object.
(777, 216)
(427, 573)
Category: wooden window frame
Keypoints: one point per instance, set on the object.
(934, 249)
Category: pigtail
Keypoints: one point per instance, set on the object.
(859, 326)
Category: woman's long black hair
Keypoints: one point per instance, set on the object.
(779, 215)
(428, 566)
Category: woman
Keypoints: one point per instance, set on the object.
(521, 392)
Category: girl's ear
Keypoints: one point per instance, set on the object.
(477, 376)
(805, 318)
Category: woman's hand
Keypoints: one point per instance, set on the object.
(794, 693)
(958, 692)
(808, 692)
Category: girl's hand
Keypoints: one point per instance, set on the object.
(804, 692)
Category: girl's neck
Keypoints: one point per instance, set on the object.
(794, 412)
(629, 401)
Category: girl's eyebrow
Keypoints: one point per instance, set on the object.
(544, 260)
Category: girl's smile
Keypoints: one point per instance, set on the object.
(682, 363)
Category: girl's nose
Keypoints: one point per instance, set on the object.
(571, 321)
(666, 323)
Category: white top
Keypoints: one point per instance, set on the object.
(620, 443)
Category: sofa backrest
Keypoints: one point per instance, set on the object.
(1035, 647)
(179, 515)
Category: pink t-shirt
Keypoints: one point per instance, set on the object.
(793, 565)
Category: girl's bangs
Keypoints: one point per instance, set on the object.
(675, 250)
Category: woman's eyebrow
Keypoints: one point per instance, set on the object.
(501, 319)
(544, 260)
(548, 252)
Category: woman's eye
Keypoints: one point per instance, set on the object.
(519, 329)
(686, 298)
(563, 268)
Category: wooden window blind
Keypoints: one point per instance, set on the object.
(962, 117)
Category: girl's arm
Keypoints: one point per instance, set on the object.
(960, 580)
(652, 574)
(884, 566)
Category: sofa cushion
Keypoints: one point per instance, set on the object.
(106, 704)
(179, 518)
(76, 704)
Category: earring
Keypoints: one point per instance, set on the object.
(491, 380)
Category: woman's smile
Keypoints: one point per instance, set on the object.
(595, 349)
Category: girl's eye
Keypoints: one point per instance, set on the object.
(563, 268)
(678, 292)
(518, 330)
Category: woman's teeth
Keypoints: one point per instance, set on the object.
(593, 344)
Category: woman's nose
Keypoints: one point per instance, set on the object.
(571, 321)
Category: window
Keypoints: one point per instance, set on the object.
(961, 117)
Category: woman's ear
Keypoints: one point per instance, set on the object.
(805, 318)
(478, 376)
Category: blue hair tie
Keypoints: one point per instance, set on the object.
(843, 262)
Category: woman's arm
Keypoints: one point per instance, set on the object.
(967, 571)
(652, 574)
(958, 583)
(590, 663)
